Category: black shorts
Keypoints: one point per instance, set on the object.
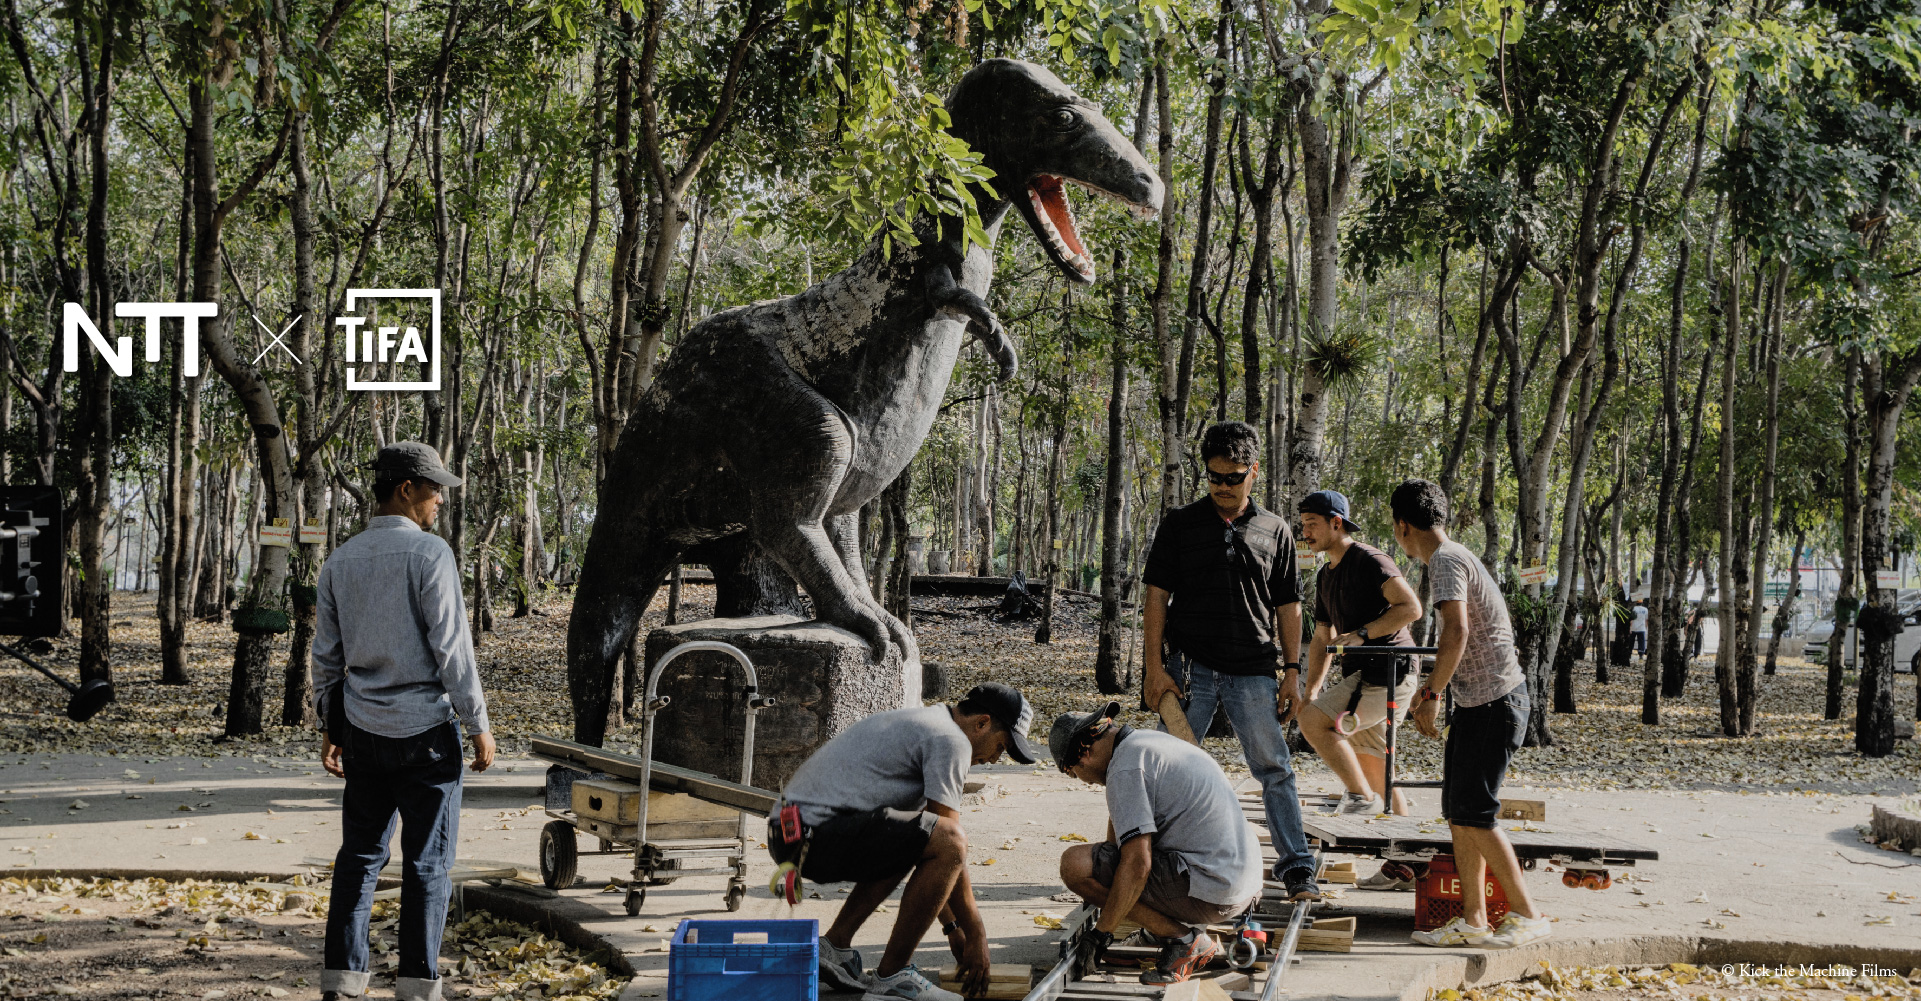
(1480, 742)
(859, 847)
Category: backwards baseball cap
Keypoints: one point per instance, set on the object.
(1008, 708)
(1067, 726)
(1328, 504)
(412, 460)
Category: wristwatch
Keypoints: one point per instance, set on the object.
(1428, 695)
(1362, 633)
(948, 927)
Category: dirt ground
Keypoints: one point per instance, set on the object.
(151, 939)
(523, 668)
(1684, 982)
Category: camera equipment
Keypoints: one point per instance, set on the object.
(31, 571)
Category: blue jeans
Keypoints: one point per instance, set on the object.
(416, 782)
(1249, 702)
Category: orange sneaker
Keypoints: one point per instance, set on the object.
(1180, 959)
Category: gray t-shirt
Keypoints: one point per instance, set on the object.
(1162, 785)
(1488, 669)
(903, 758)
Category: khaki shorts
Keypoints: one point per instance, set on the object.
(1368, 734)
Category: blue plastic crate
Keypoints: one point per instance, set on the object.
(713, 968)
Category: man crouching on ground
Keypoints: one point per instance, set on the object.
(1179, 855)
(883, 799)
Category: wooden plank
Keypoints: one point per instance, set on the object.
(1194, 990)
(1176, 718)
(665, 777)
(1328, 935)
(996, 972)
(1524, 809)
(1339, 872)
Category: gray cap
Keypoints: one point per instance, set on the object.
(407, 460)
(1067, 726)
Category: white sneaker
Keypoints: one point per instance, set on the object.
(1384, 881)
(841, 968)
(1517, 930)
(910, 984)
(1354, 802)
(1454, 934)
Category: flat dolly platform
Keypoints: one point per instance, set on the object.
(1409, 840)
(700, 821)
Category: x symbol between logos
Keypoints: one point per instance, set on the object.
(276, 341)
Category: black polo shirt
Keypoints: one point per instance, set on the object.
(1222, 610)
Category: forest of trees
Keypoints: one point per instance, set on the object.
(1632, 279)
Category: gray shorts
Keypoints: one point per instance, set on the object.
(1167, 887)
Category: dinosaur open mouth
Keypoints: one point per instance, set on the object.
(1048, 196)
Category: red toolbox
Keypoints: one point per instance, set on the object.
(1437, 896)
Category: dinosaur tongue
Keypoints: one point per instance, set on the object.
(1049, 200)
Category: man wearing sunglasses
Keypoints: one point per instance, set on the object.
(1223, 619)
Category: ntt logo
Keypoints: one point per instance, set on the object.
(367, 347)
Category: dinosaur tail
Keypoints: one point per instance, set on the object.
(627, 556)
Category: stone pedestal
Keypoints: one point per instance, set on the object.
(823, 676)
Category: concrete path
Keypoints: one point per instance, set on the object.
(1782, 868)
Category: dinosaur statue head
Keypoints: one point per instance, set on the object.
(1037, 135)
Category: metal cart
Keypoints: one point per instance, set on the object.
(671, 848)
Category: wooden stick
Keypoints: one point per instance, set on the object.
(1176, 718)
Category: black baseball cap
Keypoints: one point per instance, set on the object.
(1069, 725)
(1328, 504)
(1008, 708)
(409, 460)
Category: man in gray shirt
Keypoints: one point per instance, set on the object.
(882, 800)
(1179, 855)
(1491, 708)
(395, 683)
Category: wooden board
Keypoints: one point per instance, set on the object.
(1339, 872)
(664, 778)
(1194, 990)
(1524, 809)
(1328, 935)
(1176, 718)
(1355, 835)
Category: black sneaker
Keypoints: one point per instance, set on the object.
(1300, 884)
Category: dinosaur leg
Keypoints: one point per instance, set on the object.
(845, 529)
(792, 452)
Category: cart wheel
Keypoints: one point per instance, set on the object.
(1243, 953)
(736, 892)
(1528, 864)
(636, 896)
(1571, 880)
(559, 855)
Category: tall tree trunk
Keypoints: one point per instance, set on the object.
(1107, 657)
(1886, 382)
(1846, 601)
(1172, 393)
(93, 461)
(183, 465)
(1747, 687)
(1724, 606)
(1051, 542)
(296, 695)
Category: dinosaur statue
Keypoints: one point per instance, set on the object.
(771, 425)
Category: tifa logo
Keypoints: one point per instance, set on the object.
(379, 345)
